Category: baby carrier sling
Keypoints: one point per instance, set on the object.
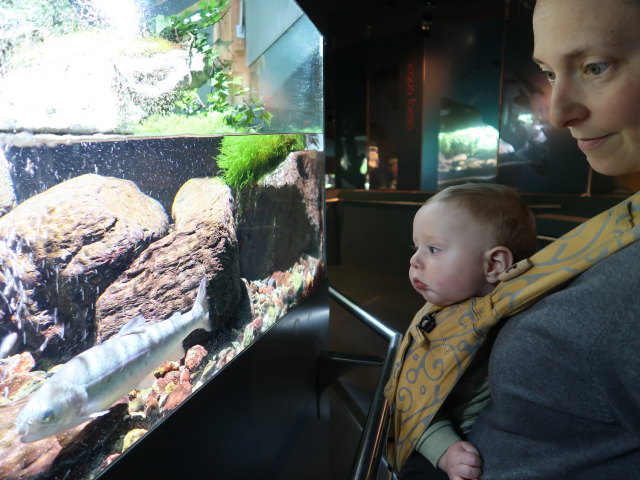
(442, 341)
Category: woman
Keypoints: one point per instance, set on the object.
(565, 373)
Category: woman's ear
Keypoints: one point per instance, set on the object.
(497, 260)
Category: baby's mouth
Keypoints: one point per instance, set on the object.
(419, 285)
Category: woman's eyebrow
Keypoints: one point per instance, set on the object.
(581, 51)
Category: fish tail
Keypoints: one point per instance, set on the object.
(201, 305)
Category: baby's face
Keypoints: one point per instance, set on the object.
(449, 263)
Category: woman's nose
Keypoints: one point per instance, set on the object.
(567, 109)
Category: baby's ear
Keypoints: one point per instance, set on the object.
(497, 260)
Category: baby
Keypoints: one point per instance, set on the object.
(464, 237)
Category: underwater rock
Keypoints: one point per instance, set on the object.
(202, 199)
(164, 278)
(20, 385)
(177, 396)
(288, 196)
(60, 248)
(132, 437)
(136, 403)
(185, 375)
(96, 82)
(224, 357)
(24, 460)
(20, 461)
(152, 403)
(304, 170)
(165, 368)
(194, 357)
(166, 385)
(21, 363)
(82, 446)
(109, 460)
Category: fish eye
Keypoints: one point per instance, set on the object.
(47, 416)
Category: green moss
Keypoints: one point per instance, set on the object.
(246, 159)
(147, 46)
(179, 124)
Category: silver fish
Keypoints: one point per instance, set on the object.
(88, 384)
(7, 344)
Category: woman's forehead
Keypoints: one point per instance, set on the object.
(573, 28)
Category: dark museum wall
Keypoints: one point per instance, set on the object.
(421, 94)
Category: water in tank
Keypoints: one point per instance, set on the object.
(161, 207)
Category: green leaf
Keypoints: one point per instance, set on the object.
(162, 22)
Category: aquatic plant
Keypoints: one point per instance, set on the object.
(189, 28)
(177, 124)
(246, 159)
(474, 141)
(189, 25)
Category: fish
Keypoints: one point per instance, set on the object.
(7, 344)
(87, 385)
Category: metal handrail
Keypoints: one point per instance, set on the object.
(369, 453)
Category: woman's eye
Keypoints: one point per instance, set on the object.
(596, 68)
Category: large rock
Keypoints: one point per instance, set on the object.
(279, 220)
(63, 247)
(52, 457)
(165, 277)
(160, 166)
(96, 82)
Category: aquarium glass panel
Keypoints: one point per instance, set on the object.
(289, 75)
(467, 70)
(535, 157)
(135, 267)
(146, 68)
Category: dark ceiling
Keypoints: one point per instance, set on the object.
(345, 22)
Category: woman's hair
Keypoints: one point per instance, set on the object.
(500, 212)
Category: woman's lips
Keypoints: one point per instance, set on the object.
(587, 144)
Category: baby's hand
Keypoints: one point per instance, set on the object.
(461, 461)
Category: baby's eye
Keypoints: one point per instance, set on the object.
(596, 68)
(433, 250)
(551, 77)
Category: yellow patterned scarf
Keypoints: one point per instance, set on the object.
(441, 341)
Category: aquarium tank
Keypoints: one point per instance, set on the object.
(161, 207)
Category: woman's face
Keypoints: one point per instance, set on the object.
(590, 51)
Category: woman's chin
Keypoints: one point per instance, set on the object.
(614, 167)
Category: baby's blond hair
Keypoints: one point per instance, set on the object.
(500, 212)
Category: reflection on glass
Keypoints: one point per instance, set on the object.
(468, 154)
(289, 77)
(142, 247)
(541, 158)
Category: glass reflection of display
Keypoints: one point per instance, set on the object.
(468, 149)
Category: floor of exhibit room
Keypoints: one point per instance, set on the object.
(388, 297)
